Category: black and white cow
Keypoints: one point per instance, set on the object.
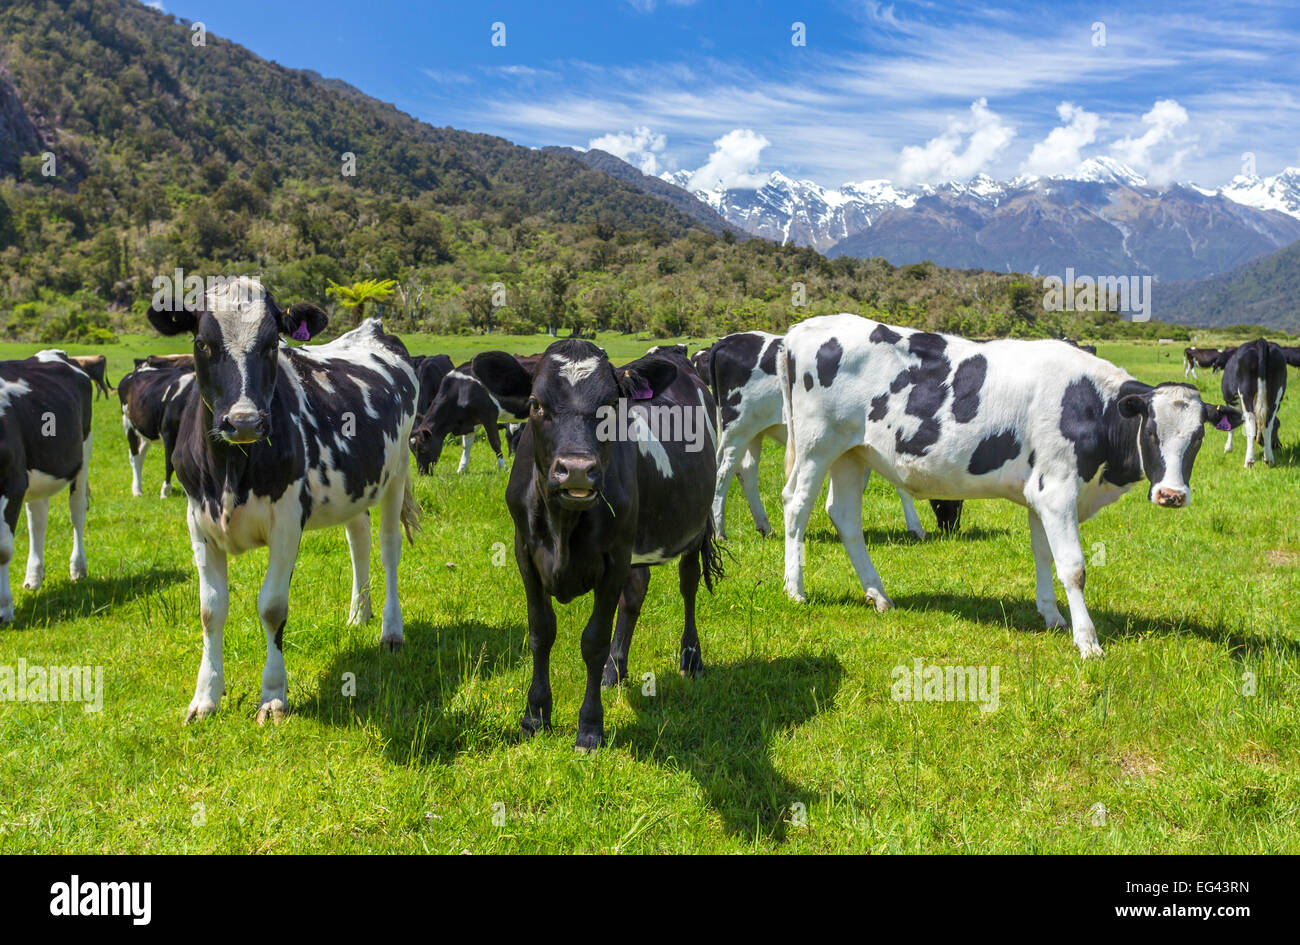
(1040, 423)
(1254, 381)
(152, 397)
(1291, 355)
(44, 448)
(96, 367)
(275, 440)
(1213, 358)
(429, 371)
(461, 406)
(597, 497)
(744, 383)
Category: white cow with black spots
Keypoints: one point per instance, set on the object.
(1040, 423)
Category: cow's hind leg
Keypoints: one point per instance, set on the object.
(629, 609)
(797, 498)
(688, 581)
(78, 505)
(390, 555)
(749, 483)
(909, 512)
(273, 608)
(848, 477)
(729, 455)
(466, 442)
(137, 447)
(358, 532)
(1045, 590)
(38, 517)
(214, 602)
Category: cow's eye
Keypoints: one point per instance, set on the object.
(535, 406)
(201, 347)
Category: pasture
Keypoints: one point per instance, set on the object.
(1184, 739)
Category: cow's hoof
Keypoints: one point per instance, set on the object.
(1053, 619)
(165, 492)
(692, 663)
(1089, 648)
(533, 722)
(34, 580)
(764, 530)
(77, 570)
(796, 595)
(612, 676)
(589, 740)
(272, 709)
(882, 602)
(138, 493)
(200, 709)
(920, 534)
(391, 644)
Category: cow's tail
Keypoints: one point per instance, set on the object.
(787, 407)
(710, 557)
(410, 514)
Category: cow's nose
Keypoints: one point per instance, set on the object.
(243, 426)
(1171, 498)
(575, 474)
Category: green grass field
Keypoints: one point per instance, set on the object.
(1185, 734)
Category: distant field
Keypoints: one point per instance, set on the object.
(1185, 738)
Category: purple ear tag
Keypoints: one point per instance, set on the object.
(301, 333)
(643, 392)
(1223, 424)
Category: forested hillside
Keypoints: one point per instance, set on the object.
(126, 151)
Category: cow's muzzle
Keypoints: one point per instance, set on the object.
(575, 479)
(243, 426)
(1170, 498)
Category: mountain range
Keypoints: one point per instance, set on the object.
(1104, 218)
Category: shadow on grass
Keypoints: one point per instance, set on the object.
(1112, 625)
(408, 694)
(719, 729)
(61, 599)
(900, 535)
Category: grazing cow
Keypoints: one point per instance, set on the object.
(429, 372)
(44, 448)
(744, 384)
(173, 361)
(1037, 422)
(1254, 381)
(461, 405)
(274, 440)
(1091, 349)
(95, 366)
(700, 362)
(1212, 358)
(594, 508)
(1290, 355)
(152, 397)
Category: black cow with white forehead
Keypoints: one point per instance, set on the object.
(44, 448)
(742, 376)
(461, 406)
(1254, 380)
(598, 494)
(1040, 423)
(276, 439)
(152, 397)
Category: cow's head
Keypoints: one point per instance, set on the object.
(565, 394)
(443, 418)
(236, 352)
(1171, 424)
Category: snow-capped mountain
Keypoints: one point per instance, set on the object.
(1104, 217)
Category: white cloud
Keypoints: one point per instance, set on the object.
(733, 163)
(1149, 152)
(983, 134)
(1059, 152)
(642, 148)
(154, 5)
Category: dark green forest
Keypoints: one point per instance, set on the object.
(128, 151)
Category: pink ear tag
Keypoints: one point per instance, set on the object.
(1223, 424)
(301, 333)
(643, 392)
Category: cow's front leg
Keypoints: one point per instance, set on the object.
(749, 483)
(8, 520)
(541, 637)
(273, 609)
(1060, 518)
(1045, 590)
(466, 442)
(391, 632)
(595, 653)
(358, 532)
(494, 441)
(78, 505)
(629, 609)
(38, 517)
(214, 602)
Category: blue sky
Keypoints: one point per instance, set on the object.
(915, 92)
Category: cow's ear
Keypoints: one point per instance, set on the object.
(1222, 418)
(173, 323)
(502, 375)
(648, 378)
(1133, 405)
(303, 321)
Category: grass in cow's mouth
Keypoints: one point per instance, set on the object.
(791, 741)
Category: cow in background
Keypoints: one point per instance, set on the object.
(1254, 381)
(152, 397)
(95, 366)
